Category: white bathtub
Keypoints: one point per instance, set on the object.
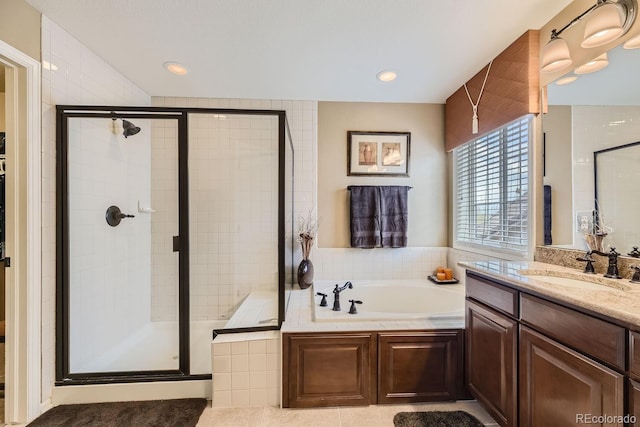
(391, 300)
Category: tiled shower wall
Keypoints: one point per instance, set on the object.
(109, 267)
(71, 75)
(592, 131)
(233, 200)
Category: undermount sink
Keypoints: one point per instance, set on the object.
(576, 281)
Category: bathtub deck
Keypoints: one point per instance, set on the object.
(299, 317)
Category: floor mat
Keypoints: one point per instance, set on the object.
(436, 419)
(150, 413)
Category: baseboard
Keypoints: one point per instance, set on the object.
(65, 395)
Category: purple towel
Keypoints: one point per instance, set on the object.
(379, 216)
(394, 215)
(365, 216)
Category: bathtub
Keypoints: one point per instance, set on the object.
(389, 300)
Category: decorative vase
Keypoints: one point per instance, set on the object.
(305, 274)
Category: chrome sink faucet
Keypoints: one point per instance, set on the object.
(612, 269)
(336, 295)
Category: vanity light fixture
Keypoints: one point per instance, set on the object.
(606, 21)
(604, 24)
(566, 80)
(175, 68)
(386, 76)
(555, 54)
(632, 43)
(594, 65)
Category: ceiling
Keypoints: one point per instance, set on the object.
(325, 50)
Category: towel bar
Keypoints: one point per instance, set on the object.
(350, 186)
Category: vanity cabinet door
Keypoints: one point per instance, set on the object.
(329, 369)
(491, 362)
(419, 366)
(557, 384)
(634, 401)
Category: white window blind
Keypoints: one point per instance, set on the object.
(492, 185)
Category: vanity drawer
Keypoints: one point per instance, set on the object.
(597, 338)
(634, 354)
(492, 294)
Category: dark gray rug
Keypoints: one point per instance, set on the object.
(436, 419)
(150, 413)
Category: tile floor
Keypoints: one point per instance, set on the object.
(369, 416)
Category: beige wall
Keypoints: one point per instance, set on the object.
(556, 125)
(20, 26)
(427, 169)
(2, 112)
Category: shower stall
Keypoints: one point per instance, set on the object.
(172, 223)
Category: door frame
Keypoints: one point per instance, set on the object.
(24, 277)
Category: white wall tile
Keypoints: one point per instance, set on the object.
(72, 74)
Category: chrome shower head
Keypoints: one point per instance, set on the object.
(129, 128)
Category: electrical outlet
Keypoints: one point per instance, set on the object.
(585, 221)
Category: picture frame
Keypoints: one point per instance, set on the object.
(378, 153)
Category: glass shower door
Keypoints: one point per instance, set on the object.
(233, 235)
(122, 270)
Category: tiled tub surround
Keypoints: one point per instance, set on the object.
(609, 300)
(246, 369)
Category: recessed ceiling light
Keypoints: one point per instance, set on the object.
(566, 80)
(176, 68)
(386, 76)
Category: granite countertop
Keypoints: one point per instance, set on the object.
(615, 298)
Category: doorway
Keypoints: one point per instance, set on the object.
(22, 230)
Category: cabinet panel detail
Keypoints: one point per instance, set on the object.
(329, 370)
(558, 384)
(496, 296)
(419, 367)
(602, 340)
(491, 361)
(634, 354)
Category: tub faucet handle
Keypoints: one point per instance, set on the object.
(323, 302)
(353, 309)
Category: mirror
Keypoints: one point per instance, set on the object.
(596, 112)
(617, 187)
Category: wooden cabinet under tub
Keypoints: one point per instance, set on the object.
(363, 368)
(328, 369)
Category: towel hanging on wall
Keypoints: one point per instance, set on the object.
(379, 216)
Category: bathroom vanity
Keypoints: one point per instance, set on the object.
(549, 353)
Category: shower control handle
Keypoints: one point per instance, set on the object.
(114, 215)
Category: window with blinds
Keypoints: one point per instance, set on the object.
(492, 189)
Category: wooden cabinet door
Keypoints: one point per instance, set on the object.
(634, 402)
(419, 366)
(329, 369)
(557, 385)
(491, 362)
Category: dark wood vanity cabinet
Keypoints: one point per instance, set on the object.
(532, 362)
(329, 369)
(491, 362)
(633, 388)
(363, 368)
(558, 384)
(419, 366)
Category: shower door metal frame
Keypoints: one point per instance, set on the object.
(66, 112)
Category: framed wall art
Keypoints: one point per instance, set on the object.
(378, 153)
